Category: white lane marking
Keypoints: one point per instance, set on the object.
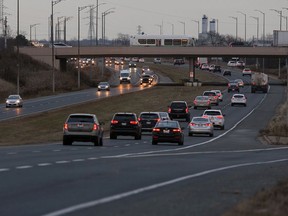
(153, 187)
(4, 169)
(62, 162)
(57, 150)
(78, 160)
(197, 144)
(92, 158)
(127, 145)
(44, 164)
(12, 153)
(24, 167)
(36, 151)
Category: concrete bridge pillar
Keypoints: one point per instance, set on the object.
(192, 69)
(63, 65)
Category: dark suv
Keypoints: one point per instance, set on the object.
(179, 109)
(233, 86)
(217, 68)
(82, 127)
(125, 124)
(148, 120)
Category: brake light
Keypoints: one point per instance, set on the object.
(139, 119)
(169, 110)
(220, 117)
(95, 127)
(208, 124)
(187, 110)
(156, 129)
(133, 122)
(192, 124)
(177, 130)
(194, 102)
(205, 116)
(215, 97)
(114, 122)
(66, 126)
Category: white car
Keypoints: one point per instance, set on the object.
(103, 86)
(204, 67)
(246, 71)
(240, 99)
(219, 93)
(216, 117)
(240, 64)
(157, 61)
(141, 60)
(211, 67)
(231, 64)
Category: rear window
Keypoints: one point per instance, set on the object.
(124, 117)
(238, 96)
(212, 113)
(167, 124)
(89, 119)
(178, 105)
(149, 116)
(209, 94)
(200, 119)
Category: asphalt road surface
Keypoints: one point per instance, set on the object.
(206, 176)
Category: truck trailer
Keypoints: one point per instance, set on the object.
(259, 82)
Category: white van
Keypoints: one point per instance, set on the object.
(125, 76)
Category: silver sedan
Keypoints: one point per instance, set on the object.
(200, 125)
(14, 101)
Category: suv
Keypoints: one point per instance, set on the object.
(217, 68)
(146, 78)
(179, 109)
(83, 127)
(214, 98)
(216, 117)
(148, 120)
(233, 86)
(125, 124)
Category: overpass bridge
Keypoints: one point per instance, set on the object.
(190, 53)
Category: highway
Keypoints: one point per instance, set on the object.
(207, 176)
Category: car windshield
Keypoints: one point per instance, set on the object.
(238, 96)
(209, 93)
(103, 83)
(13, 97)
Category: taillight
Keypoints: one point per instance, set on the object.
(95, 127)
(220, 117)
(187, 110)
(66, 126)
(158, 119)
(228, 84)
(133, 122)
(156, 129)
(208, 124)
(215, 97)
(192, 124)
(194, 102)
(176, 130)
(114, 122)
(139, 119)
(169, 110)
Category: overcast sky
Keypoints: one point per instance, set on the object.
(149, 14)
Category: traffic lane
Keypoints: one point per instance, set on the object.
(80, 182)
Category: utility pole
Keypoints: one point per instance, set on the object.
(5, 33)
(91, 31)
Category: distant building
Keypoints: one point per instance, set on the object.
(213, 26)
(204, 24)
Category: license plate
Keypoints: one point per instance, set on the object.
(148, 123)
(124, 124)
(166, 131)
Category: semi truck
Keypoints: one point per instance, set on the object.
(259, 82)
(280, 38)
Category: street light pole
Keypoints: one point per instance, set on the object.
(280, 13)
(172, 25)
(263, 25)
(52, 42)
(236, 19)
(245, 23)
(183, 26)
(198, 26)
(18, 57)
(104, 14)
(257, 37)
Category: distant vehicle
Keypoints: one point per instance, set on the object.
(147, 79)
(233, 86)
(211, 67)
(118, 62)
(246, 72)
(161, 40)
(108, 61)
(280, 38)
(237, 44)
(14, 101)
(132, 64)
(135, 59)
(201, 61)
(167, 131)
(60, 45)
(227, 73)
(83, 127)
(219, 94)
(259, 82)
(148, 120)
(127, 59)
(217, 68)
(200, 125)
(125, 76)
(179, 61)
(157, 60)
(240, 82)
(214, 99)
(239, 99)
(204, 66)
(179, 109)
(231, 64)
(202, 101)
(216, 117)
(145, 68)
(141, 60)
(125, 124)
(240, 64)
(103, 86)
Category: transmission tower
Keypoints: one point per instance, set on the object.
(2, 16)
(91, 31)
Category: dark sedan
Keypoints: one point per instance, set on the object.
(167, 131)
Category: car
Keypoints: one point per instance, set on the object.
(217, 68)
(240, 64)
(125, 124)
(148, 120)
(60, 45)
(240, 99)
(231, 64)
(118, 62)
(219, 93)
(132, 64)
(211, 67)
(147, 79)
(135, 59)
(164, 116)
(167, 131)
(145, 68)
(179, 110)
(227, 73)
(214, 99)
(204, 66)
(127, 59)
(240, 82)
(179, 61)
(202, 101)
(108, 61)
(104, 86)
(246, 72)
(14, 101)
(216, 117)
(125, 76)
(233, 86)
(200, 125)
(83, 127)
(141, 60)
(157, 60)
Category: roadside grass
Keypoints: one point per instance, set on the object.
(47, 127)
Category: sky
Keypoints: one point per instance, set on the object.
(127, 15)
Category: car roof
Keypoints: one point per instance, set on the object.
(82, 114)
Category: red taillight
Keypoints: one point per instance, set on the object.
(95, 127)
(139, 119)
(114, 122)
(208, 124)
(156, 129)
(195, 102)
(133, 122)
(187, 110)
(169, 110)
(215, 97)
(66, 126)
(219, 117)
(177, 130)
(205, 116)
(192, 124)
(228, 84)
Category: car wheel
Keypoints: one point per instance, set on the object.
(154, 142)
(211, 135)
(113, 136)
(96, 141)
(101, 141)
